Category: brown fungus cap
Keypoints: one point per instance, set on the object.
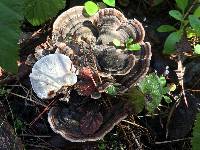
(87, 122)
(107, 24)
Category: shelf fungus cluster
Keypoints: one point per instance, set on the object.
(84, 62)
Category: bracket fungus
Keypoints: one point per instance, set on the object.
(51, 73)
(92, 46)
(88, 121)
(85, 43)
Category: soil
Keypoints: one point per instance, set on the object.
(168, 128)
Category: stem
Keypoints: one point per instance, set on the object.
(190, 8)
(45, 110)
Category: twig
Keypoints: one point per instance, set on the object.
(45, 110)
(134, 137)
(125, 135)
(135, 125)
(38, 103)
(39, 146)
(137, 142)
(180, 73)
(177, 140)
(170, 115)
(191, 7)
(129, 122)
(36, 136)
(193, 90)
(28, 92)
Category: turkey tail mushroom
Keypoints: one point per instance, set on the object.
(73, 22)
(77, 126)
(133, 29)
(108, 21)
(112, 24)
(140, 68)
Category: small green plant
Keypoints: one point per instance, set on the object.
(187, 22)
(129, 44)
(101, 145)
(132, 46)
(91, 8)
(111, 90)
(197, 49)
(137, 99)
(18, 124)
(154, 89)
(3, 91)
(196, 135)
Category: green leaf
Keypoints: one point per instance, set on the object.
(197, 49)
(172, 39)
(196, 134)
(18, 124)
(191, 32)
(195, 23)
(111, 90)
(153, 89)
(109, 2)
(165, 90)
(39, 11)
(182, 4)
(134, 47)
(116, 42)
(131, 46)
(167, 99)
(91, 8)
(137, 99)
(176, 14)
(102, 145)
(129, 41)
(11, 13)
(166, 28)
(197, 12)
(162, 81)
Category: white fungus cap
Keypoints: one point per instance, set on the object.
(51, 73)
